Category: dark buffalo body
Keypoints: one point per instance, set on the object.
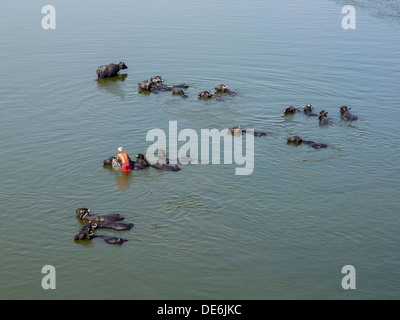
(257, 133)
(299, 140)
(179, 92)
(238, 130)
(209, 95)
(141, 159)
(113, 225)
(156, 85)
(110, 160)
(84, 214)
(87, 231)
(166, 167)
(205, 94)
(224, 88)
(295, 139)
(315, 145)
(323, 118)
(110, 70)
(346, 115)
(290, 110)
(308, 110)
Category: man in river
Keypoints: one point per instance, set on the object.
(124, 159)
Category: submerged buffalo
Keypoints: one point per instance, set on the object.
(87, 233)
(144, 85)
(109, 161)
(238, 130)
(141, 159)
(205, 94)
(84, 214)
(346, 115)
(113, 225)
(110, 70)
(179, 92)
(290, 110)
(299, 140)
(323, 118)
(224, 88)
(208, 95)
(156, 79)
(308, 111)
(156, 85)
(165, 167)
(163, 162)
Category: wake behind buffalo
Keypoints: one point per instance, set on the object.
(107, 221)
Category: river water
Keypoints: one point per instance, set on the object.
(283, 232)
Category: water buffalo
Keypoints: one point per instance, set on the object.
(87, 233)
(112, 240)
(144, 85)
(205, 94)
(110, 70)
(162, 164)
(135, 166)
(84, 214)
(238, 130)
(141, 159)
(209, 95)
(346, 115)
(299, 140)
(224, 88)
(165, 167)
(323, 118)
(179, 92)
(155, 85)
(156, 79)
(290, 110)
(109, 161)
(113, 225)
(256, 133)
(308, 111)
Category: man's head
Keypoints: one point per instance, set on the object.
(120, 149)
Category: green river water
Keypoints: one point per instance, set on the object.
(283, 232)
